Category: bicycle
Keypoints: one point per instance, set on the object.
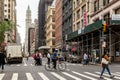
(61, 65)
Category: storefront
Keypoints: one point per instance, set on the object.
(92, 38)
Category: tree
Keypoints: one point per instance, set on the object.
(5, 26)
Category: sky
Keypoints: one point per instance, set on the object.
(21, 7)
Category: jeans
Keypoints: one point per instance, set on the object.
(103, 69)
(2, 65)
(54, 63)
(48, 61)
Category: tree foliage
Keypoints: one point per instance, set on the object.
(5, 26)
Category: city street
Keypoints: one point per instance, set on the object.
(28, 71)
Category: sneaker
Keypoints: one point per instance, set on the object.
(101, 77)
(112, 76)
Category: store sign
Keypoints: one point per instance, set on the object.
(84, 20)
(115, 16)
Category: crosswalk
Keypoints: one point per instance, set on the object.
(32, 64)
(66, 75)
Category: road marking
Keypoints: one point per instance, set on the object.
(95, 75)
(115, 74)
(18, 65)
(108, 75)
(58, 76)
(15, 76)
(118, 72)
(84, 75)
(68, 69)
(24, 62)
(91, 74)
(43, 76)
(29, 76)
(31, 64)
(74, 77)
(104, 77)
(1, 76)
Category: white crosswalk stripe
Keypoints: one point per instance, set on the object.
(84, 75)
(15, 76)
(74, 77)
(43, 76)
(108, 75)
(1, 76)
(118, 73)
(58, 76)
(29, 76)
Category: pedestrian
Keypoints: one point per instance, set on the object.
(85, 58)
(54, 58)
(105, 65)
(48, 57)
(2, 58)
(40, 55)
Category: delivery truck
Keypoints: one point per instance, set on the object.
(14, 53)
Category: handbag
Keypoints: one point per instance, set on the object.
(104, 61)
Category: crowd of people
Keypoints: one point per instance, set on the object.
(55, 56)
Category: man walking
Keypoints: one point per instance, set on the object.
(2, 58)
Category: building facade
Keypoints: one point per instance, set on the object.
(10, 15)
(50, 28)
(1, 10)
(66, 19)
(42, 8)
(28, 25)
(36, 32)
(31, 40)
(58, 24)
(94, 38)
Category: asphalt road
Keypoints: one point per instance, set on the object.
(28, 71)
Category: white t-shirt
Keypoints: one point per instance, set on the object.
(48, 55)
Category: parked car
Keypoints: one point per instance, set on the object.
(74, 58)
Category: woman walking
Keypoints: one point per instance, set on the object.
(104, 64)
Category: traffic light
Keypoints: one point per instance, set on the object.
(104, 26)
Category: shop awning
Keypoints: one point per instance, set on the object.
(44, 47)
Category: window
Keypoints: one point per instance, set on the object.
(83, 9)
(74, 5)
(107, 18)
(96, 5)
(53, 12)
(117, 11)
(9, 5)
(74, 17)
(5, 10)
(78, 14)
(5, 4)
(9, 16)
(105, 2)
(78, 2)
(78, 25)
(53, 34)
(53, 19)
(9, 10)
(53, 42)
(53, 26)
